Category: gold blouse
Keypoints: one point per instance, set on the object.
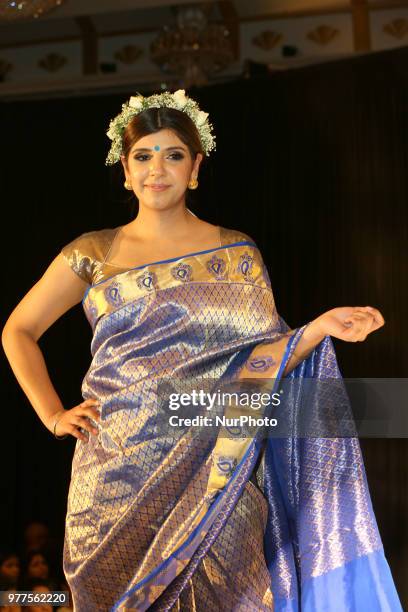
(87, 254)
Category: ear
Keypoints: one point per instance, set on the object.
(125, 166)
(197, 162)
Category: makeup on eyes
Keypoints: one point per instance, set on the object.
(138, 156)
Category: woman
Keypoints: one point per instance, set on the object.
(9, 568)
(36, 565)
(164, 517)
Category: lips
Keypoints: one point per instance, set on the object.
(158, 187)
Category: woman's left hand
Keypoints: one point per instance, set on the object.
(349, 323)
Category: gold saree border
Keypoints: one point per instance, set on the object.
(240, 262)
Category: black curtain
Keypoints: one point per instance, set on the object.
(311, 162)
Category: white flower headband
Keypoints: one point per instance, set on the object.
(137, 104)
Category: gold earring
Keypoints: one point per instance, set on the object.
(128, 186)
(193, 184)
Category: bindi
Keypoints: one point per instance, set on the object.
(156, 147)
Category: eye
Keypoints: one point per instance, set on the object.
(144, 156)
(177, 155)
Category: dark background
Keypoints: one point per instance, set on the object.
(312, 163)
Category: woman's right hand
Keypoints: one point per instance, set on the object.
(69, 421)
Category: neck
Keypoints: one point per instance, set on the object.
(161, 224)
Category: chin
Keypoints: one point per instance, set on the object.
(160, 203)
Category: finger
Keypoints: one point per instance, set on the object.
(366, 320)
(90, 402)
(85, 424)
(92, 413)
(353, 333)
(369, 322)
(360, 326)
(77, 434)
(374, 311)
(89, 408)
(369, 327)
(361, 314)
(379, 319)
(363, 318)
(365, 330)
(89, 411)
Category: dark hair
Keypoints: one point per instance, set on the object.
(153, 120)
(7, 554)
(35, 551)
(28, 557)
(29, 584)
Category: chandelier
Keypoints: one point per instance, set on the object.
(11, 10)
(193, 49)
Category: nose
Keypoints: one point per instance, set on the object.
(156, 165)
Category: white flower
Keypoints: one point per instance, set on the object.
(180, 98)
(177, 100)
(136, 102)
(201, 118)
(110, 133)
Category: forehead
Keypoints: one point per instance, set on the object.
(41, 588)
(163, 138)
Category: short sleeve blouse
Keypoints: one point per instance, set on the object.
(87, 254)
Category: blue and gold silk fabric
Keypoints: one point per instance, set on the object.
(156, 521)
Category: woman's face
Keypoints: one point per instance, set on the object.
(41, 607)
(159, 167)
(10, 568)
(38, 567)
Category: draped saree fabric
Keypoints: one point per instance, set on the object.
(161, 520)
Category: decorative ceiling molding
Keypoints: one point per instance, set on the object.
(129, 54)
(96, 31)
(267, 40)
(230, 16)
(322, 35)
(397, 28)
(52, 62)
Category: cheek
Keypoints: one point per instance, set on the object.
(181, 173)
(178, 173)
(138, 172)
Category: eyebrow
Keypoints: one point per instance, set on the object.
(152, 148)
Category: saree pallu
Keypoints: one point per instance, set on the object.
(179, 521)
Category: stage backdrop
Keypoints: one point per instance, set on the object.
(312, 163)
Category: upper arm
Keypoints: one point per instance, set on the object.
(58, 290)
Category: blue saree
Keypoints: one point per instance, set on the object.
(179, 521)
